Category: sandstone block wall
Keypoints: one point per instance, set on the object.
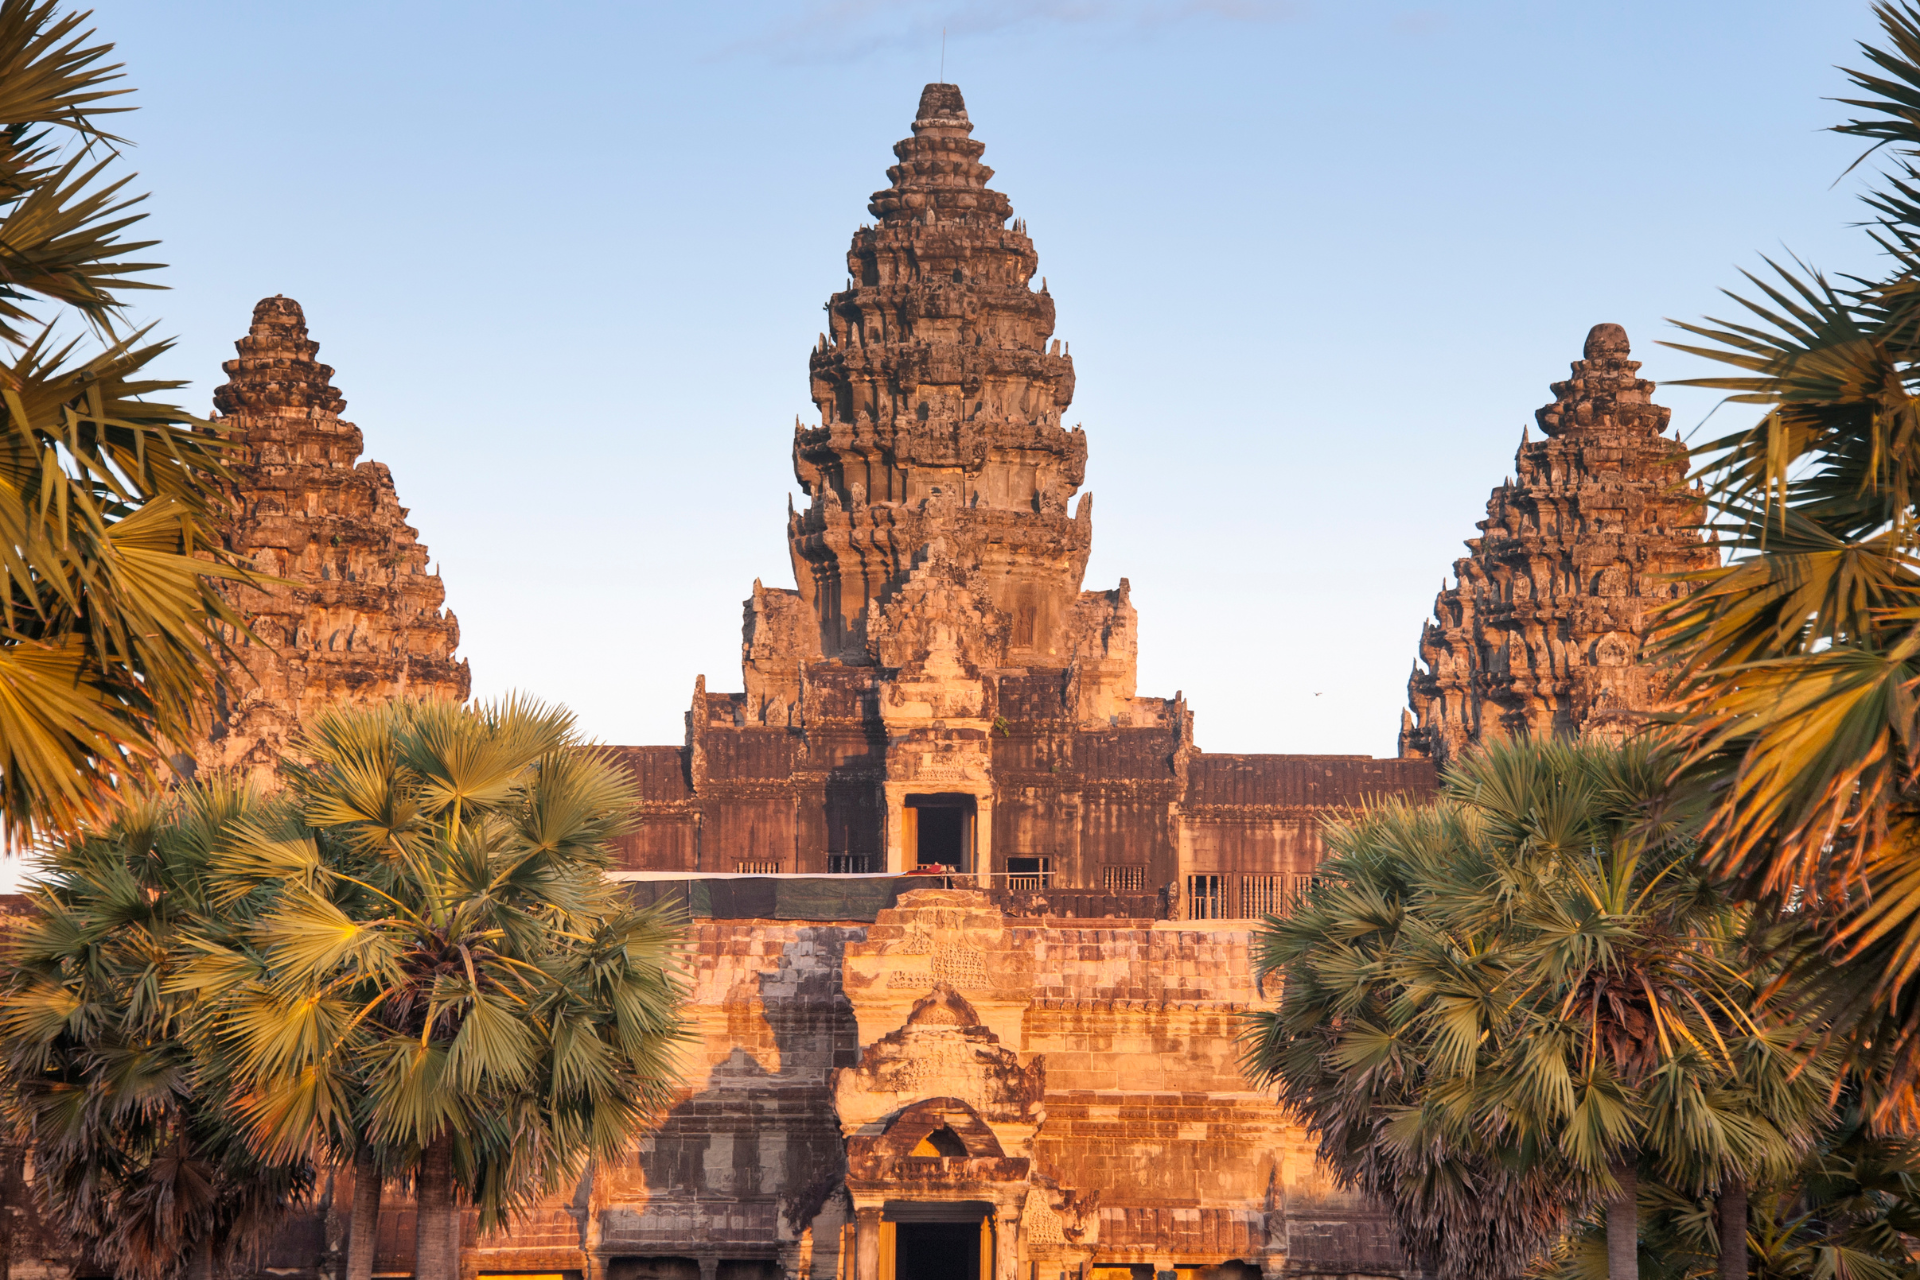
(1090, 1072)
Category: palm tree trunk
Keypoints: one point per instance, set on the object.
(1733, 1230)
(363, 1232)
(436, 1251)
(200, 1264)
(1623, 1223)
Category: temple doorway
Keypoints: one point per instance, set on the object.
(936, 1251)
(939, 831)
(951, 1240)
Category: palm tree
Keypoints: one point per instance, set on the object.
(1850, 1209)
(444, 981)
(1797, 660)
(136, 1153)
(108, 617)
(1509, 1004)
(1351, 1055)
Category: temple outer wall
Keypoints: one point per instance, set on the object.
(1096, 1058)
(1144, 1145)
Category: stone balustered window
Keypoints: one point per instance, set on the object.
(1263, 896)
(1206, 897)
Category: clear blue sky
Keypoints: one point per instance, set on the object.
(1317, 262)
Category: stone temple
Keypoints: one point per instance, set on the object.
(939, 689)
(363, 621)
(1541, 633)
(971, 918)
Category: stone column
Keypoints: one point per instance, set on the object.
(586, 1209)
(709, 1267)
(895, 794)
(796, 1259)
(1006, 1241)
(983, 839)
(336, 1211)
(866, 1249)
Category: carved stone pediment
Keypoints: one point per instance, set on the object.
(934, 937)
(901, 1158)
(942, 1049)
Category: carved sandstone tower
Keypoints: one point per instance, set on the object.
(1541, 632)
(940, 473)
(364, 621)
(936, 689)
(938, 562)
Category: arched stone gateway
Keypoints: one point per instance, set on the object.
(935, 1193)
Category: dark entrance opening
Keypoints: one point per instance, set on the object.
(938, 1240)
(936, 1251)
(943, 830)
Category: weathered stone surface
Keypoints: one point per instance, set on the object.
(1084, 1074)
(938, 661)
(1072, 1083)
(1541, 633)
(1047, 1063)
(940, 430)
(360, 619)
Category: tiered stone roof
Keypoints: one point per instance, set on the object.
(940, 403)
(1542, 631)
(361, 620)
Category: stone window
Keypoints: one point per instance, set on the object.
(1119, 878)
(1030, 872)
(758, 867)
(1206, 897)
(849, 864)
(1263, 896)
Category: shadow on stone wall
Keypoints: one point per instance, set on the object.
(739, 1168)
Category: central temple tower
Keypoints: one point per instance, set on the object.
(940, 476)
(941, 552)
(936, 689)
(940, 439)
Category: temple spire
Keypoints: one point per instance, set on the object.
(1605, 392)
(940, 475)
(1542, 633)
(939, 173)
(355, 616)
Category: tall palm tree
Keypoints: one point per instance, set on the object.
(1508, 1004)
(1352, 1055)
(1798, 659)
(1850, 1208)
(134, 1144)
(444, 980)
(108, 496)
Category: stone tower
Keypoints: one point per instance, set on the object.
(940, 472)
(363, 620)
(1541, 633)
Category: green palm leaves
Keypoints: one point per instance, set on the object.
(1504, 1004)
(107, 497)
(1799, 660)
(444, 975)
(138, 1154)
(411, 959)
(1849, 1209)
